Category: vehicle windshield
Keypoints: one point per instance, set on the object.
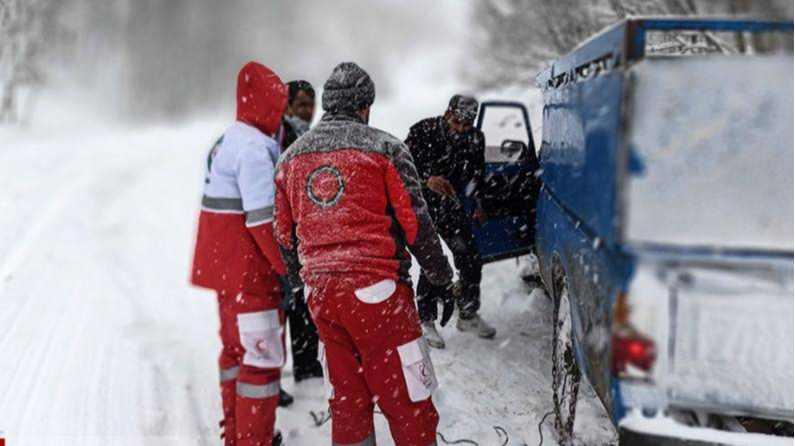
(711, 153)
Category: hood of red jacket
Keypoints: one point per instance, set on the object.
(261, 98)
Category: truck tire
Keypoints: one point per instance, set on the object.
(565, 370)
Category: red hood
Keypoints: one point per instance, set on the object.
(261, 98)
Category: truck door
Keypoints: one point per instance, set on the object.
(510, 184)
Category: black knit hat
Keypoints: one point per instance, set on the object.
(348, 89)
(464, 108)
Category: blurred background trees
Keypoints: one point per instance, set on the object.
(154, 60)
(161, 59)
(518, 38)
(28, 29)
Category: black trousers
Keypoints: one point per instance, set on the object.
(455, 228)
(304, 339)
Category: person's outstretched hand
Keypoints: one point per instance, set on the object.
(441, 186)
(480, 217)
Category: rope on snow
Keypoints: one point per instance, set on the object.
(320, 418)
(462, 441)
(540, 432)
(501, 432)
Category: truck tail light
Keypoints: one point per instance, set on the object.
(633, 354)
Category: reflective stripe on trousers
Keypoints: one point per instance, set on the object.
(230, 373)
(260, 391)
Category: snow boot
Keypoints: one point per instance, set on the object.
(476, 325)
(285, 399)
(432, 335)
(277, 439)
(315, 372)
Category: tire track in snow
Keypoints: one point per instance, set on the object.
(44, 353)
(157, 346)
(33, 337)
(47, 217)
(20, 252)
(82, 364)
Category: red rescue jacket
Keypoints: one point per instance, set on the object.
(235, 248)
(349, 200)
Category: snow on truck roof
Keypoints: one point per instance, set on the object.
(627, 40)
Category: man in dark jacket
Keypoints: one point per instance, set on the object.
(449, 154)
(303, 334)
(349, 209)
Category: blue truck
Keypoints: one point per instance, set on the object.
(660, 207)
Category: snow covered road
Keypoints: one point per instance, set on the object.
(103, 342)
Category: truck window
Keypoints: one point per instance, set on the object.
(506, 135)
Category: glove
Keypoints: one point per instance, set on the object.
(448, 303)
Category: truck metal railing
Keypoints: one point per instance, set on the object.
(628, 41)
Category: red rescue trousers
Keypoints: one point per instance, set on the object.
(373, 352)
(250, 363)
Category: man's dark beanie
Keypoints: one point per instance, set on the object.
(348, 89)
(464, 108)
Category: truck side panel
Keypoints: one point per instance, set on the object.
(576, 223)
(579, 154)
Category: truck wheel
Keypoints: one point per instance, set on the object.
(565, 371)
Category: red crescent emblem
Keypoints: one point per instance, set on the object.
(425, 374)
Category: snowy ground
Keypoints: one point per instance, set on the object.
(103, 342)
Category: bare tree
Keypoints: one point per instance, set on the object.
(29, 29)
(517, 38)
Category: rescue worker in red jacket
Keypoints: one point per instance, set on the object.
(348, 204)
(237, 256)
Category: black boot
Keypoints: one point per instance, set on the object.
(285, 399)
(277, 438)
(316, 371)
